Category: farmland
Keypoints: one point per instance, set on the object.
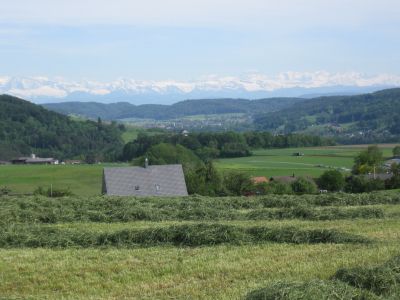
(85, 180)
(187, 248)
(281, 162)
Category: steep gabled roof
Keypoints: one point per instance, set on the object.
(164, 180)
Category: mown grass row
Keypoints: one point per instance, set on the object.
(192, 235)
(104, 209)
(364, 283)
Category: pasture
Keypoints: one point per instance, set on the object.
(85, 180)
(187, 248)
(281, 162)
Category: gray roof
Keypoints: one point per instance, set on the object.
(39, 160)
(381, 176)
(165, 180)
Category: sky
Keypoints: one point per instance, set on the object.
(187, 40)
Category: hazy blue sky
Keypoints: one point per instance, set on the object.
(183, 40)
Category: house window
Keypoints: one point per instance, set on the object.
(136, 187)
(157, 187)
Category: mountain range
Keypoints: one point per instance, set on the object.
(250, 86)
(124, 110)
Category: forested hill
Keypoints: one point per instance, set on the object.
(123, 110)
(375, 115)
(27, 128)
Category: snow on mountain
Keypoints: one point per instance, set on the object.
(41, 89)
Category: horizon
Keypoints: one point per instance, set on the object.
(252, 46)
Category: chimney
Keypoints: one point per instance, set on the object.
(33, 156)
(146, 162)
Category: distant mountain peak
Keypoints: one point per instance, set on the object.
(42, 89)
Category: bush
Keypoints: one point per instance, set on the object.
(361, 184)
(52, 192)
(238, 183)
(304, 186)
(331, 180)
(4, 190)
(278, 188)
(315, 290)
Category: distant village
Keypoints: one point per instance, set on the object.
(36, 160)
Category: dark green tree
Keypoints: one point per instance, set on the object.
(396, 151)
(331, 180)
(368, 161)
(238, 183)
(304, 186)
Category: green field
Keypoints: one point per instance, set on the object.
(85, 180)
(51, 248)
(281, 162)
(82, 180)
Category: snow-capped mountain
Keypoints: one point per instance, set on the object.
(43, 89)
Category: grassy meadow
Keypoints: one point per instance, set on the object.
(82, 180)
(281, 162)
(85, 180)
(186, 248)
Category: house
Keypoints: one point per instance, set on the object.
(260, 179)
(34, 160)
(389, 162)
(158, 180)
(284, 179)
(380, 176)
(72, 162)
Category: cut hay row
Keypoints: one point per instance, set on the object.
(103, 209)
(366, 283)
(314, 289)
(192, 235)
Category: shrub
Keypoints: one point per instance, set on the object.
(238, 183)
(331, 180)
(361, 184)
(52, 192)
(304, 186)
(278, 188)
(4, 190)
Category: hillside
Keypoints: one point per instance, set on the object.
(369, 117)
(124, 110)
(27, 128)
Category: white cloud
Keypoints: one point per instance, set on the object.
(281, 13)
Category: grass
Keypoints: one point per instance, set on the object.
(125, 209)
(355, 283)
(191, 235)
(280, 162)
(80, 179)
(85, 180)
(91, 249)
(314, 289)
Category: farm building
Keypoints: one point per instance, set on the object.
(34, 160)
(284, 179)
(160, 180)
(380, 176)
(259, 179)
(389, 162)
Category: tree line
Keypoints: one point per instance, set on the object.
(211, 145)
(26, 128)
